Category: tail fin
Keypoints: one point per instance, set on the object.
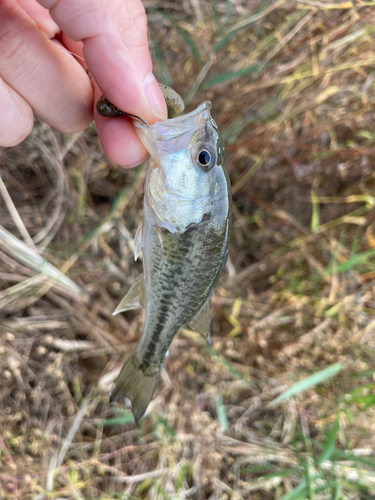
(136, 382)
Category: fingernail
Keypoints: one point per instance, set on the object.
(155, 97)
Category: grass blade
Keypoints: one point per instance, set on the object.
(244, 23)
(221, 413)
(329, 445)
(188, 40)
(28, 257)
(231, 75)
(124, 417)
(164, 73)
(308, 382)
(184, 34)
(315, 217)
(310, 494)
(299, 492)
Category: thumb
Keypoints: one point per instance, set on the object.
(114, 35)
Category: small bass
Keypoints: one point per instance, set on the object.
(184, 236)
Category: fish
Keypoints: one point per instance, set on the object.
(183, 237)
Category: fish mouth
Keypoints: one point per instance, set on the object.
(173, 128)
(205, 106)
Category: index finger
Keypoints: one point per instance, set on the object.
(114, 34)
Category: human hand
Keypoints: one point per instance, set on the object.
(38, 73)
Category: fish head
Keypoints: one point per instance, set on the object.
(186, 179)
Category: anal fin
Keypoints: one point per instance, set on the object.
(134, 298)
(201, 322)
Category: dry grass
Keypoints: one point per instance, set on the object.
(292, 85)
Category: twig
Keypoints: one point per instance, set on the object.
(201, 76)
(137, 478)
(58, 458)
(15, 215)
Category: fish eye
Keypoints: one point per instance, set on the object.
(205, 158)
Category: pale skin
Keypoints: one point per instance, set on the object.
(39, 75)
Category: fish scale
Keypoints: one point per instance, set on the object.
(180, 290)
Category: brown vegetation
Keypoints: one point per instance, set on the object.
(292, 85)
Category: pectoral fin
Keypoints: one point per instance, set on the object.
(200, 323)
(133, 299)
(138, 240)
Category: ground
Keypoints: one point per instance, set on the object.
(281, 406)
